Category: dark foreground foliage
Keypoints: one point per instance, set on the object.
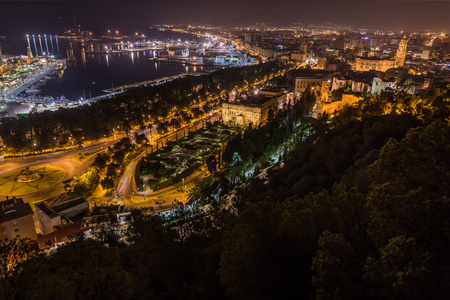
(358, 211)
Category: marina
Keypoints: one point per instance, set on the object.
(64, 72)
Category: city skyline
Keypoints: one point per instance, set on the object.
(226, 150)
(23, 16)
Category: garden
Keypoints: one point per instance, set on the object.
(177, 160)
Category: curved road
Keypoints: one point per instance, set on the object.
(127, 188)
(62, 159)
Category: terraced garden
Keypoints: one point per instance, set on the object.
(178, 160)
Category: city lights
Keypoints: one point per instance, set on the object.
(283, 150)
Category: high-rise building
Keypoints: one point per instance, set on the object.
(401, 52)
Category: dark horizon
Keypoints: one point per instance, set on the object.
(18, 18)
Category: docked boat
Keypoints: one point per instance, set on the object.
(32, 90)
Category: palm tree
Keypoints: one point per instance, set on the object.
(235, 173)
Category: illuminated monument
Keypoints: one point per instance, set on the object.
(401, 53)
(382, 63)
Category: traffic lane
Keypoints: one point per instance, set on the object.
(63, 153)
(167, 194)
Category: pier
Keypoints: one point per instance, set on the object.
(148, 82)
(10, 95)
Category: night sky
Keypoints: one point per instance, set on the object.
(21, 17)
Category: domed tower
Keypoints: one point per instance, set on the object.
(401, 52)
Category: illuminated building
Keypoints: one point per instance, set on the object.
(302, 56)
(16, 220)
(321, 63)
(373, 63)
(361, 85)
(104, 213)
(253, 110)
(30, 55)
(304, 78)
(53, 217)
(382, 64)
(379, 85)
(339, 82)
(401, 53)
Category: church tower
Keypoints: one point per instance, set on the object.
(30, 55)
(401, 52)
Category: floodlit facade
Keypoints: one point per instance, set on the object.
(54, 217)
(380, 63)
(253, 111)
(304, 78)
(373, 63)
(401, 53)
(16, 220)
(379, 85)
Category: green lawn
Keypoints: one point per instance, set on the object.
(8, 186)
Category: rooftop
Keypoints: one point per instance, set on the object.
(373, 58)
(102, 210)
(61, 235)
(68, 204)
(308, 73)
(252, 100)
(46, 209)
(11, 209)
(54, 210)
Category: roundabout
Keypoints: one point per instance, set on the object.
(30, 180)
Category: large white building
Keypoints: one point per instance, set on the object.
(316, 80)
(51, 218)
(16, 220)
(382, 64)
(379, 85)
(252, 110)
(373, 63)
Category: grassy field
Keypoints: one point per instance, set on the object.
(51, 176)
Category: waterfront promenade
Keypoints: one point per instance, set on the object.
(148, 82)
(28, 82)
